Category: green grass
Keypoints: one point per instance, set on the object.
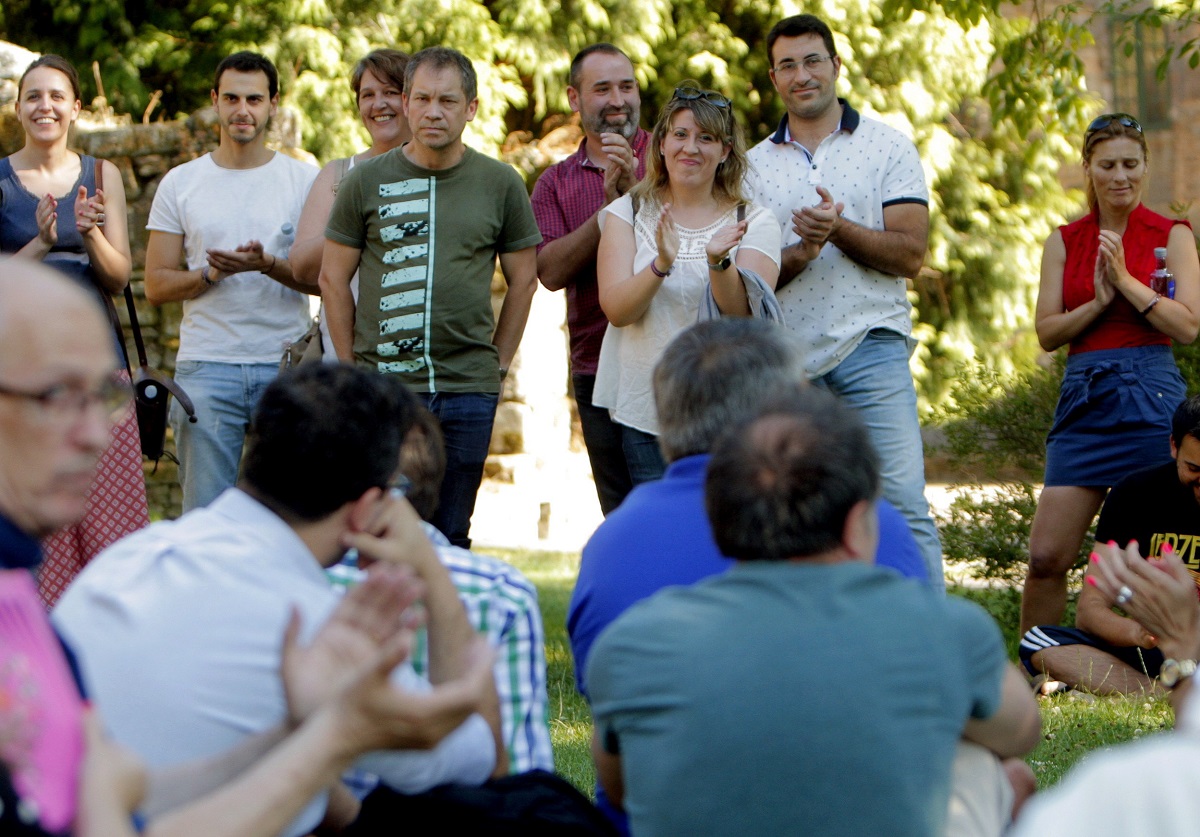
(1072, 724)
(570, 719)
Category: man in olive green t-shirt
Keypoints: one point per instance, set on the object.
(423, 225)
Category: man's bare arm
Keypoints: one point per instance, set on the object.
(371, 714)
(251, 257)
(608, 772)
(395, 536)
(898, 249)
(560, 261)
(520, 269)
(171, 787)
(813, 224)
(1016, 727)
(794, 258)
(166, 279)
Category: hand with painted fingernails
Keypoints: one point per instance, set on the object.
(1158, 593)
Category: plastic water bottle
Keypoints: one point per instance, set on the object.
(1162, 281)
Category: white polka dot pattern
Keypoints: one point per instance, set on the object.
(835, 301)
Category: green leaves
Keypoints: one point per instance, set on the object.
(992, 93)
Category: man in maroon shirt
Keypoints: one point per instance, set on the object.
(566, 200)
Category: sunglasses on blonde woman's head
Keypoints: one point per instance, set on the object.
(1106, 119)
(690, 94)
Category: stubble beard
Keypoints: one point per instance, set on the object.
(247, 139)
(597, 124)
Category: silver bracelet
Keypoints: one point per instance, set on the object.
(1150, 307)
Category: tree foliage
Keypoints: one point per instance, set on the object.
(991, 91)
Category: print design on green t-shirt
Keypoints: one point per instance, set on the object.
(408, 290)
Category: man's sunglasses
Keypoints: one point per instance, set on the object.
(1105, 119)
(689, 94)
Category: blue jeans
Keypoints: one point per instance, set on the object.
(466, 419)
(210, 451)
(602, 436)
(875, 380)
(643, 456)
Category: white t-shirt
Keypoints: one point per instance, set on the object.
(624, 375)
(247, 317)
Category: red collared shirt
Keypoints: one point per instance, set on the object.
(565, 197)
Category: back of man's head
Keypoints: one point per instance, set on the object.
(423, 461)
(1186, 421)
(323, 434)
(717, 374)
(782, 484)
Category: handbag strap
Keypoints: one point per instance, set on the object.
(133, 319)
(137, 329)
(105, 295)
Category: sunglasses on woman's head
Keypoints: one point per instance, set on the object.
(1105, 119)
(689, 94)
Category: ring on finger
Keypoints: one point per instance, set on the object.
(1124, 595)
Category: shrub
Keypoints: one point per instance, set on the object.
(986, 530)
(1187, 358)
(995, 428)
(996, 424)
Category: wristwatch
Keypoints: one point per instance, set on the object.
(1174, 672)
(723, 264)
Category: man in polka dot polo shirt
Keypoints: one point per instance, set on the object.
(850, 195)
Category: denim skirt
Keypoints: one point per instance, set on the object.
(1113, 416)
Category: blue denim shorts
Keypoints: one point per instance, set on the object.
(1113, 416)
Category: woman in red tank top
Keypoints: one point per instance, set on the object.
(1121, 385)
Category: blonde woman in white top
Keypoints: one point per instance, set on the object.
(661, 245)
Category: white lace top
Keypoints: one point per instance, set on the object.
(628, 355)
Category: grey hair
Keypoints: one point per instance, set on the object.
(716, 374)
(439, 58)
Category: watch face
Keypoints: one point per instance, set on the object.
(1169, 673)
(1173, 671)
